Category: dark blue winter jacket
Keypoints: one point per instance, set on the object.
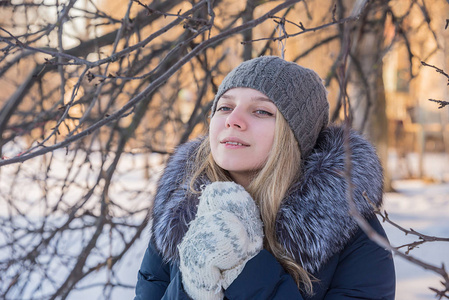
(313, 225)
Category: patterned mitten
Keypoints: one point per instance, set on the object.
(226, 233)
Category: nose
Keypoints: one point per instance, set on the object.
(236, 120)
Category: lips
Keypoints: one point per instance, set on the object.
(232, 141)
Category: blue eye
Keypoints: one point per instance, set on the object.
(263, 112)
(223, 108)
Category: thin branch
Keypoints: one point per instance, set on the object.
(302, 28)
(440, 102)
(438, 70)
(151, 87)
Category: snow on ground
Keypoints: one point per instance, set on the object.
(425, 208)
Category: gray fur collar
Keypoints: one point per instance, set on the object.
(313, 222)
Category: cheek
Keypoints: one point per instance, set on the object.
(266, 135)
(213, 134)
(212, 127)
(213, 131)
(267, 144)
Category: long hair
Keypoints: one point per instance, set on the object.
(268, 187)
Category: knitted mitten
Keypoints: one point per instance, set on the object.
(226, 233)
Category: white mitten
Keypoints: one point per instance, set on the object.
(226, 233)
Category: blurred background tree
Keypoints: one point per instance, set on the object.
(96, 94)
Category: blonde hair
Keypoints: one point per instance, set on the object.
(268, 187)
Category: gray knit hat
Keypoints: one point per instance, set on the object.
(297, 92)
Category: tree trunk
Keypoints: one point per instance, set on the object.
(366, 89)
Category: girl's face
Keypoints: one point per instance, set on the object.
(242, 131)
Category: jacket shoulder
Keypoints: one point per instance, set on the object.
(366, 265)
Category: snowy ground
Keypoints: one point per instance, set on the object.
(425, 208)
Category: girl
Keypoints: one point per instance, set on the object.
(258, 208)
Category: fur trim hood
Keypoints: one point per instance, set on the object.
(313, 222)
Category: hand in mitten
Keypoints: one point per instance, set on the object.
(226, 233)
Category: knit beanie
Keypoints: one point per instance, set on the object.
(297, 92)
